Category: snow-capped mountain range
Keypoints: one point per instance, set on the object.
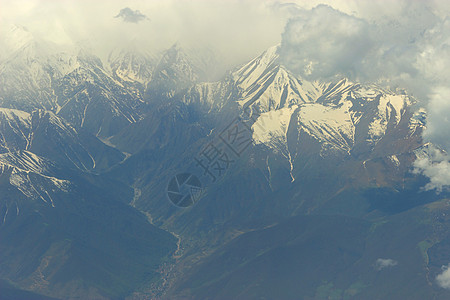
(72, 126)
(67, 106)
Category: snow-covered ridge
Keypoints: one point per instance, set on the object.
(330, 112)
(390, 108)
(70, 82)
(338, 115)
(269, 85)
(15, 115)
(327, 124)
(26, 161)
(338, 111)
(14, 129)
(21, 131)
(131, 65)
(248, 74)
(271, 127)
(30, 174)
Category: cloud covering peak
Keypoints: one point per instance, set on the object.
(407, 46)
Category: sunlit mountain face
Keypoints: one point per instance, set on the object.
(227, 165)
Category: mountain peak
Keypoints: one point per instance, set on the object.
(173, 73)
(17, 39)
(269, 85)
(131, 64)
(86, 56)
(16, 36)
(176, 46)
(175, 54)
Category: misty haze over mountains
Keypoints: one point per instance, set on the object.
(224, 150)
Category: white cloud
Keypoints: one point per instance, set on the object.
(325, 42)
(443, 279)
(436, 167)
(131, 16)
(438, 124)
(383, 263)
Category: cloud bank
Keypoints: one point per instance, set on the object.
(443, 279)
(325, 42)
(436, 167)
(236, 30)
(405, 44)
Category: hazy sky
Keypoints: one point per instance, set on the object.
(239, 29)
(404, 43)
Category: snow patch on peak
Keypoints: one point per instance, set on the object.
(270, 129)
(15, 37)
(26, 161)
(29, 173)
(397, 103)
(266, 83)
(369, 92)
(278, 88)
(272, 126)
(132, 65)
(330, 125)
(249, 74)
(334, 92)
(14, 129)
(14, 114)
(390, 109)
(394, 160)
